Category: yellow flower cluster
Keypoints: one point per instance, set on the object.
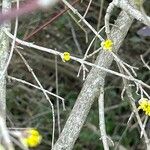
(32, 138)
(66, 56)
(107, 45)
(144, 104)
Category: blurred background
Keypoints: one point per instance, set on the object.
(27, 106)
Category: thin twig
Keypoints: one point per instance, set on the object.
(81, 27)
(57, 101)
(87, 9)
(135, 110)
(99, 21)
(38, 82)
(144, 124)
(124, 132)
(75, 38)
(37, 87)
(76, 59)
(145, 64)
(81, 17)
(102, 119)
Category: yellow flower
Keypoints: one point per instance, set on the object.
(66, 56)
(144, 104)
(107, 45)
(32, 138)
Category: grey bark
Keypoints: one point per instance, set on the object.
(4, 54)
(91, 87)
(102, 125)
(4, 51)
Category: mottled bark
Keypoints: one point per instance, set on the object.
(91, 87)
(4, 51)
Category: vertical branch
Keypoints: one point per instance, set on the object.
(102, 119)
(4, 50)
(4, 133)
(57, 100)
(4, 47)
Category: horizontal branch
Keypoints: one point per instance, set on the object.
(32, 85)
(82, 61)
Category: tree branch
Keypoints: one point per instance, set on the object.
(4, 51)
(91, 87)
(126, 6)
(102, 119)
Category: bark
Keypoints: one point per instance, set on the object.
(4, 54)
(91, 87)
(4, 51)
